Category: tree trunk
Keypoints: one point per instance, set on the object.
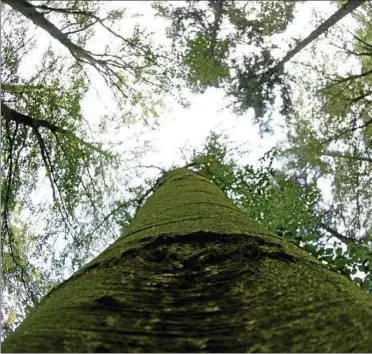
(349, 7)
(29, 11)
(194, 273)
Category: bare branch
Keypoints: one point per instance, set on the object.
(346, 131)
(64, 11)
(335, 233)
(107, 217)
(345, 156)
(365, 44)
(351, 77)
(28, 10)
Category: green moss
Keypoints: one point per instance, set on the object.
(193, 273)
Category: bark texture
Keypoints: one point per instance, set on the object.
(193, 273)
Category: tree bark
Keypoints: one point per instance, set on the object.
(194, 273)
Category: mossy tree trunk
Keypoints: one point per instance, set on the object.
(194, 273)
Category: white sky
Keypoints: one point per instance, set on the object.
(189, 127)
(180, 127)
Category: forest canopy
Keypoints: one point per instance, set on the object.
(89, 90)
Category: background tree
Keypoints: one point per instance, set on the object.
(331, 140)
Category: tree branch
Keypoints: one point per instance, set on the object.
(351, 77)
(5, 213)
(345, 156)
(12, 115)
(365, 44)
(30, 11)
(217, 11)
(335, 233)
(346, 131)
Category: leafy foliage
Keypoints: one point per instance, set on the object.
(48, 141)
(288, 204)
(207, 37)
(332, 140)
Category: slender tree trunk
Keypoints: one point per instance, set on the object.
(194, 273)
(29, 11)
(349, 7)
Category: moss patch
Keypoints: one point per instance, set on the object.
(202, 292)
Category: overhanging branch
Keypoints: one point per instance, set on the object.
(12, 115)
